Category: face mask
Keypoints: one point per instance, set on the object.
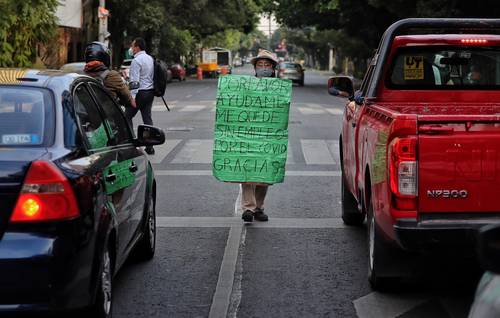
(264, 72)
(130, 52)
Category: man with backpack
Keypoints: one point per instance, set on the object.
(142, 84)
(98, 60)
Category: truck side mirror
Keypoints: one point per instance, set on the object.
(488, 247)
(341, 86)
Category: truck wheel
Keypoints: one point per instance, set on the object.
(350, 213)
(379, 255)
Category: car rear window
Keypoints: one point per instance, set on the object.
(293, 66)
(26, 116)
(445, 68)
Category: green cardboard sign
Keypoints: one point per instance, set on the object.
(124, 177)
(251, 129)
(98, 138)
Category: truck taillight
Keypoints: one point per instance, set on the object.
(403, 168)
(46, 195)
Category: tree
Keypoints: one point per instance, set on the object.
(23, 26)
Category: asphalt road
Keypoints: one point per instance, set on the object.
(303, 263)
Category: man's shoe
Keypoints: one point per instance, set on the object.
(150, 150)
(259, 215)
(247, 216)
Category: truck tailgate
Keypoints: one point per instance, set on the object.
(459, 167)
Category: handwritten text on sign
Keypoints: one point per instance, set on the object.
(251, 129)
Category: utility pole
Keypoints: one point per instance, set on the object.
(269, 44)
(102, 14)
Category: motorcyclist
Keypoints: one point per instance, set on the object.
(98, 60)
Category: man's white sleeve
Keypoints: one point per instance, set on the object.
(134, 75)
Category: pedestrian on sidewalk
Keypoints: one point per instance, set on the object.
(98, 60)
(253, 195)
(141, 84)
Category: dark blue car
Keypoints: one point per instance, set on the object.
(77, 194)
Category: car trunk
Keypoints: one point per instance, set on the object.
(458, 167)
(14, 164)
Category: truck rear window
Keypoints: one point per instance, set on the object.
(26, 116)
(446, 68)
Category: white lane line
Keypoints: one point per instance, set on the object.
(293, 173)
(189, 96)
(224, 288)
(334, 111)
(195, 151)
(237, 203)
(160, 108)
(311, 111)
(316, 152)
(288, 223)
(192, 108)
(333, 146)
(162, 151)
(289, 155)
(378, 305)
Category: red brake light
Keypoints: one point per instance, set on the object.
(474, 41)
(46, 195)
(403, 171)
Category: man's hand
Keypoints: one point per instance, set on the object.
(132, 102)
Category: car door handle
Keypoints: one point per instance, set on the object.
(133, 167)
(111, 177)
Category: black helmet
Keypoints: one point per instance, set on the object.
(97, 51)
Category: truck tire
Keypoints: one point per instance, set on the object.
(350, 213)
(379, 256)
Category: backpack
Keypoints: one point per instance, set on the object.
(159, 77)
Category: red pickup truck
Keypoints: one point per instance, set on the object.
(420, 141)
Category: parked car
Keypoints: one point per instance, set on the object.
(237, 62)
(125, 69)
(417, 144)
(486, 302)
(178, 72)
(291, 71)
(76, 67)
(77, 192)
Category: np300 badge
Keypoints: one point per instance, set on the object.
(452, 194)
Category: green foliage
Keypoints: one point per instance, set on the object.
(24, 25)
(175, 28)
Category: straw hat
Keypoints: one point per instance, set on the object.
(265, 54)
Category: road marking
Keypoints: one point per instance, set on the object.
(189, 96)
(162, 151)
(192, 108)
(224, 288)
(316, 152)
(378, 305)
(195, 151)
(311, 111)
(237, 203)
(160, 108)
(220, 221)
(292, 173)
(335, 111)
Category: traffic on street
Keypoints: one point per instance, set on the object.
(217, 159)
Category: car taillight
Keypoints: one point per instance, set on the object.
(403, 172)
(46, 195)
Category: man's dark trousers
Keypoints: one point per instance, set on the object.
(144, 101)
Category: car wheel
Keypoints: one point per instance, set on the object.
(350, 212)
(103, 306)
(145, 249)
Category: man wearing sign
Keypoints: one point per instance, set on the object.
(253, 196)
(251, 132)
